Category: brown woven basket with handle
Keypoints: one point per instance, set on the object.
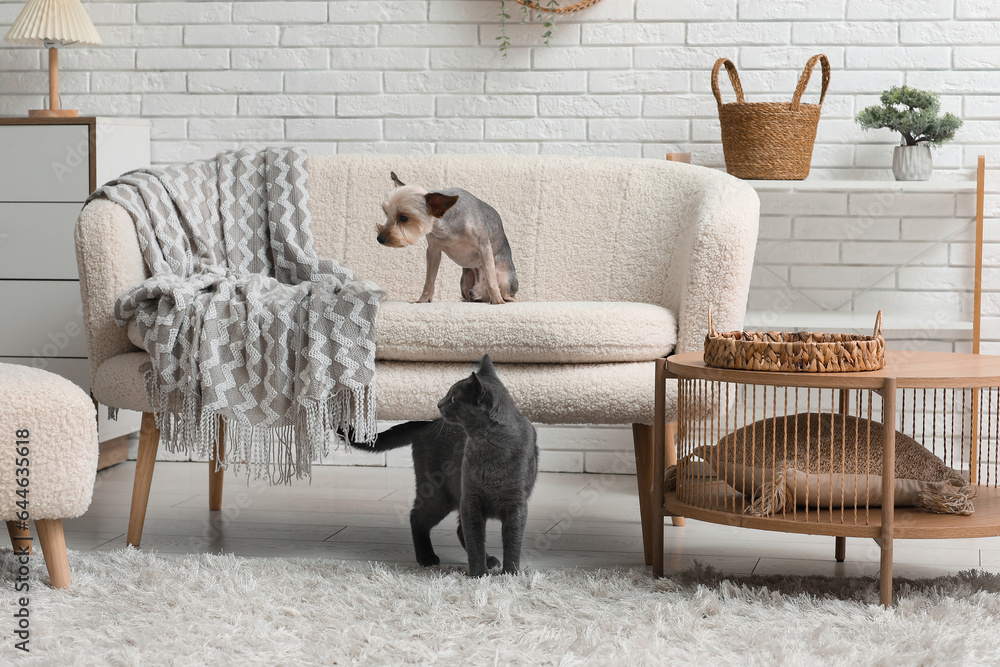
(769, 140)
(803, 352)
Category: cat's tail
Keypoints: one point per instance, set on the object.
(394, 438)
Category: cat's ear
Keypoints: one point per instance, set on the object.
(477, 387)
(486, 366)
(485, 397)
(482, 393)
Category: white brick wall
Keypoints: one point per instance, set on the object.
(625, 78)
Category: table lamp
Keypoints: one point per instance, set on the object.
(53, 23)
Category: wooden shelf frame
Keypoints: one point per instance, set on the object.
(849, 321)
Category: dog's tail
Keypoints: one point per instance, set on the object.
(393, 438)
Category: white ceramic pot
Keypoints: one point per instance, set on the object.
(912, 163)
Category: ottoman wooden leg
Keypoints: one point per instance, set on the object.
(149, 442)
(50, 534)
(215, 473)
(20, 538)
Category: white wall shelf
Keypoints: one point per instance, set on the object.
(847, 322)
(821, 184)
(895, 322)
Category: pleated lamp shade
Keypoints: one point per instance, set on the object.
(53, 23)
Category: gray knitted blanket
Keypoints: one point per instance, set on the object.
(241, 320)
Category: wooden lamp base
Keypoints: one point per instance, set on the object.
(54, 110)
(53, 113)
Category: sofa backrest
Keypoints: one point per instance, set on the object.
(580, 229)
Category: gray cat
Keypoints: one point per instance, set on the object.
(481, 458)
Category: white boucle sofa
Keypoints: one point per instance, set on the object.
(618, 260)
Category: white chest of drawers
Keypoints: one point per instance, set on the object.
(48, 167)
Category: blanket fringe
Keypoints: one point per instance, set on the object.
(771, 497)
(955, 498)
(279, 452)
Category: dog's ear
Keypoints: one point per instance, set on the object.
(438, 203)
(395, 179)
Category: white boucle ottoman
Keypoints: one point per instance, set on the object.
(48, 460)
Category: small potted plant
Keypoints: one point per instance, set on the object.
(914, 114)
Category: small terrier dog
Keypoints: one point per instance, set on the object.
(461, 226)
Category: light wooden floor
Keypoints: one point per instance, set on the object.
(575, 520)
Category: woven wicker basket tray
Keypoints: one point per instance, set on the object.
(803, 352)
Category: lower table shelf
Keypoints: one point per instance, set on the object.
(908, 522)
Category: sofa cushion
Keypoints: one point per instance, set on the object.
(577, 332)
(544, 393)
(524, 332)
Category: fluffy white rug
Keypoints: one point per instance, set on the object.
(135, 608)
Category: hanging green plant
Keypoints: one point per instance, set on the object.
(544, 11)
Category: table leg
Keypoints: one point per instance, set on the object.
(670, 454)
(885, 574)
(843, 407)
(888, 488)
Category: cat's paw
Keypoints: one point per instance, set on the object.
(429, 561)
(492, 562)
(475, 574)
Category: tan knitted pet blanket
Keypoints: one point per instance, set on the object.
(824, 460)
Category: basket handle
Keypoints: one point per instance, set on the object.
(878, 325)
(711, 325)
(804, 80)
(734, 78)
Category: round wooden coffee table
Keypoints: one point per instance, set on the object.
(950, 403)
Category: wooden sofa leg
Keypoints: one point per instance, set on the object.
(215, 473)
(50, 534)
(149, 443)
(642, 439)
(20, 538)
